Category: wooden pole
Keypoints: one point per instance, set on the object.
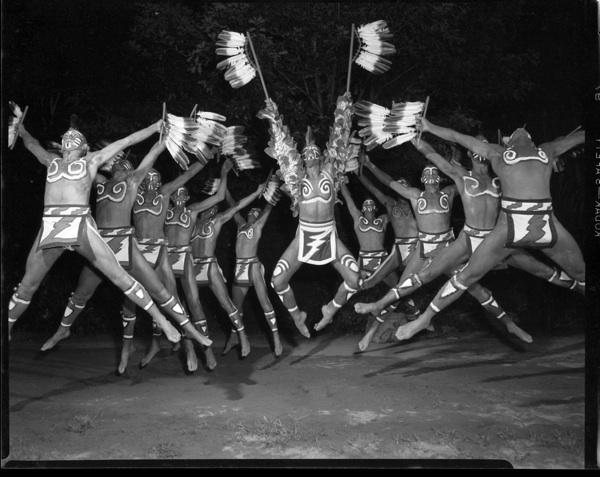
(194, 110)
(262, 80)
(572, 132)
(162, 126)
(350, 59)
(21, 120)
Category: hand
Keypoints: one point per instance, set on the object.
(226, 167)
(158, 125)
(261, 188)
(424, 124)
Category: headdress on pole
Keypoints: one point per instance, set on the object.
(233, 148)
(388, 127)
(373, 47)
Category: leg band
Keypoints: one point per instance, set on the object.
(236, 320)
(270, 316)
(173, 306)
(335, 304)
(137, 294)
(434, 308)
(128, 325)
(156, 331)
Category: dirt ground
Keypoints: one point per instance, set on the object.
(465, 396)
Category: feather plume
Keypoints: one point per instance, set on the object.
(373, 47)
(211, 186)
(14, 123)
(272, 193)
(239, 69)
(388, 127)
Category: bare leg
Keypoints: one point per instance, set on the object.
(38, 264)
(287, 265)
(86, 286)
(347, 267)
(128, 316)
(260, 286)
(217, 285)
(391, 263)
(488, 254)
(238, 296)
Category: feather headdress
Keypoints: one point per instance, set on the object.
(14, 123)
(239, 68)
(193, 135)
(388, 127)
(233, 147)
(373, 47)
(272, 193)
(211, 186)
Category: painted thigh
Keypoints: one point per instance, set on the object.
(143, 272)
(566, 253)
(39, 262)
(282, 274)
(391, 263)
(346, 265)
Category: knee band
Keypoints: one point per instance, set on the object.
(452, 286)
(14, 300)
(137, 293)
(270, 316)
(128, 325)
(349, 262)
(237, 322)
(203, 326)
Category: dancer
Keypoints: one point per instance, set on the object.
(526, 217)
(370, 232)
(115, 199)
(480, 195)
(167, 232)
(67, 223)
(311, 181)
(249, 271)
(206, 269)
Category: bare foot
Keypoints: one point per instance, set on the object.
(211, 362)
(244, 342)
(62, 333)
(364, 308)
(168, 329)
(126, 351)
(299, 318)
(363, 344)
(277, 348)
(154, 349)
(410, 329)
(232, 341)
(190, 355)
(176, 347)
(327, 312)
(512, 328)
(192, 332)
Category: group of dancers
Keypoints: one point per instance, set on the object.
(147, 239)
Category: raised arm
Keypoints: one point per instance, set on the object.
(487, 150)
(34, 146)
(264, 215)
(455, 172)
(404, 191)
(386, 200)
(563, 144)
(229, 213)
(354, 212)
(148, 162)
(100, 157)
(239, 220)
(219, 196)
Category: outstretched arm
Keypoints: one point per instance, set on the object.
(386, 200)
(487, 150)
(453, 171)
(563, 144)
(354, 212)
(406, 192)
(181, 179)
(100, 157)
(147, 162)
(264, 215)
(34, 146)
(229, 213)
(239, 220)
(219, 196)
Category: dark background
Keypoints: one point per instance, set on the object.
(485, 65)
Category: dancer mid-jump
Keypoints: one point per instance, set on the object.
(67, 222)
(526, 217)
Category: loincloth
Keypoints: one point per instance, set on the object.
(530, 223)
(317, 242)
(63, 226)
(152, 249)
(405, 245)
(430, 243)
(243, 271)
(119, 239)
(202, 268)
(370, 261)
(474, 237)
(177, 256)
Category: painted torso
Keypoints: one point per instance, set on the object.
(248, 236)
(149, 211)
(114, 202)
(178, 226)
(317, 197)
(67, 182)
(402, 220)
(480, 196)
(370, 234)
(432, 211)
(204, 237)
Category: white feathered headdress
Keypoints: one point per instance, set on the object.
(233, 148)
(14, 123)
(238, 66)
(272, 192)
(373, 47)
(388, 127)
